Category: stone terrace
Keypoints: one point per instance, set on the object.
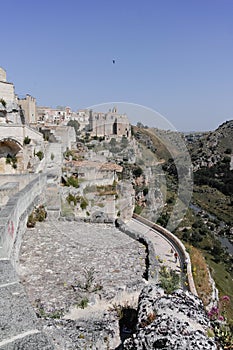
(53, 257)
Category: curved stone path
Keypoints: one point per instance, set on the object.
(163, 248)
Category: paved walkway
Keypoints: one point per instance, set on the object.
(53, 258)
(164, 249)
(58, 255)
(19, 327)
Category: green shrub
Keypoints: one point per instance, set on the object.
(137, 172)
(11, 160)
(69, 153)
(72, 181)
(38, 214)
(83, 204)
(137, 209)
(75, 124)
(169, 279)
(163, 219)
(26, 140)
(83, 303)
(71, 198)
(31, 221)
(40, 155)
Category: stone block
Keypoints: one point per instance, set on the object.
(7, 272)
(31, 342)
(17, 315)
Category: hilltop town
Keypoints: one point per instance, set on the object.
(38, 139)
(87, 206)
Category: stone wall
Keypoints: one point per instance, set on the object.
(151, 254)
(2, 74)
(19, 132)
(7, 190)
(179, 246)
(20, 328)
(11, 213)
(66, 135)
(28, 105)
(21, 179)
(7, 92)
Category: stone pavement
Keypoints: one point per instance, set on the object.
(56, 256)
(163, 248)
(19, 327)
(54, 260)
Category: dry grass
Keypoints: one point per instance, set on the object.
(200, 274)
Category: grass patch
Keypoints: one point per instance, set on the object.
(137, 209)
(201, 263)
(223, 280)
(200, 274)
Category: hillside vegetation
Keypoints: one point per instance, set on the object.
(211, 156)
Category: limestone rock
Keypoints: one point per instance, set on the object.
(176, 321)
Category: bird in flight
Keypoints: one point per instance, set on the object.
(113, 61)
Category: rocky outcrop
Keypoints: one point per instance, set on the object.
(210, 148)
(176, 321)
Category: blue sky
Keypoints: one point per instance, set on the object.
(173, 56)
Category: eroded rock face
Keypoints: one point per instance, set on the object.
(176, 321)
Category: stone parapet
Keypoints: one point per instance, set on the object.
(19, 132)
(20, 328)
(152, 265)
(179, 246)
(11, 213)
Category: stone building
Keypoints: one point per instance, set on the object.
(59, 115)
(97, 172)
(82, 116)
(7, 90)
(109, 124)
(18, 110)
(28, 108)
(8, 97)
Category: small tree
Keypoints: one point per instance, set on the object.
(75, 124)
(137, 172)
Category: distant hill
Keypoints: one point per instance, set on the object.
(209, 148)
(212, 159)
